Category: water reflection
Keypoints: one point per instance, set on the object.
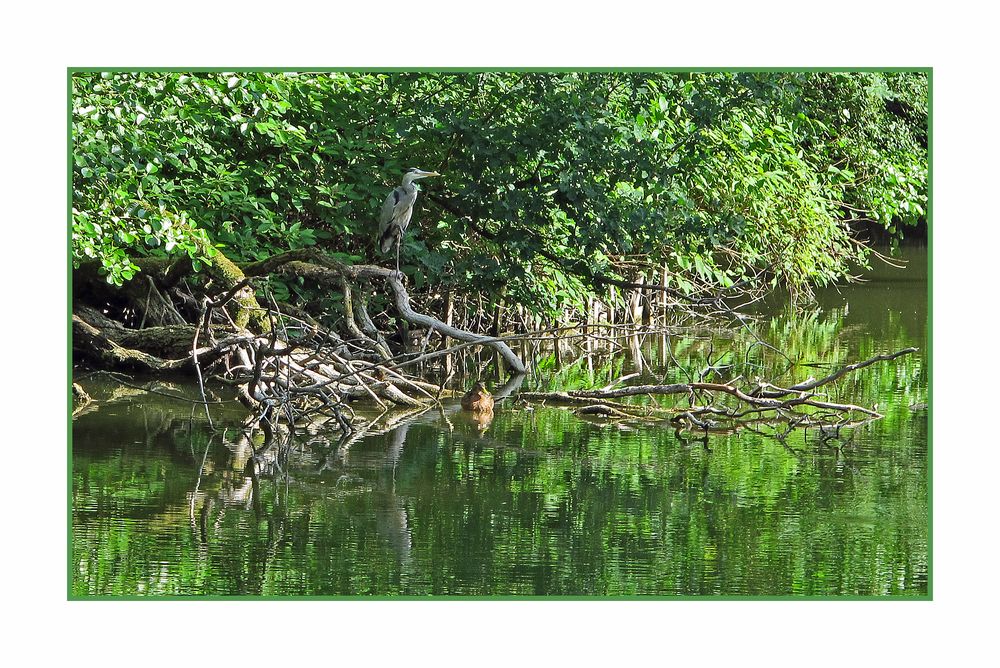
(543, 503)
(536, 501)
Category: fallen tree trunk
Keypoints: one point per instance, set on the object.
(92, 344)
(514, 363)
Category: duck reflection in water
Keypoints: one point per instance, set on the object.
(479, 402)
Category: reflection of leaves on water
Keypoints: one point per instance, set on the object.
(542, 503)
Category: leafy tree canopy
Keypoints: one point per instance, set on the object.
(552, 183)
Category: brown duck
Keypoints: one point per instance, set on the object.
(478, 399)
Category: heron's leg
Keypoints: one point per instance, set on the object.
(398, 238)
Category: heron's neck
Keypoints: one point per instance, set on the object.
(408, 182)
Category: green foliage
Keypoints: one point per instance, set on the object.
(551, 181)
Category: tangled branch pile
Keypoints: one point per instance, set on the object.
(284, 364)
(764, 403)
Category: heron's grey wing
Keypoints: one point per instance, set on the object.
(395, 216)
(387, 211)
(404, 207)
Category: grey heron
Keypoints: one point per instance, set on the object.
(397, 210)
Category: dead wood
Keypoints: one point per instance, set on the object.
(756, 407)
(812, 384)
(330, 272)
(286, 367)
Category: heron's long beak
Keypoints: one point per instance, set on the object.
(430, 174)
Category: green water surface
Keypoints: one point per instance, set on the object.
(539, 501)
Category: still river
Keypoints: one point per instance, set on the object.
(539, 502)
